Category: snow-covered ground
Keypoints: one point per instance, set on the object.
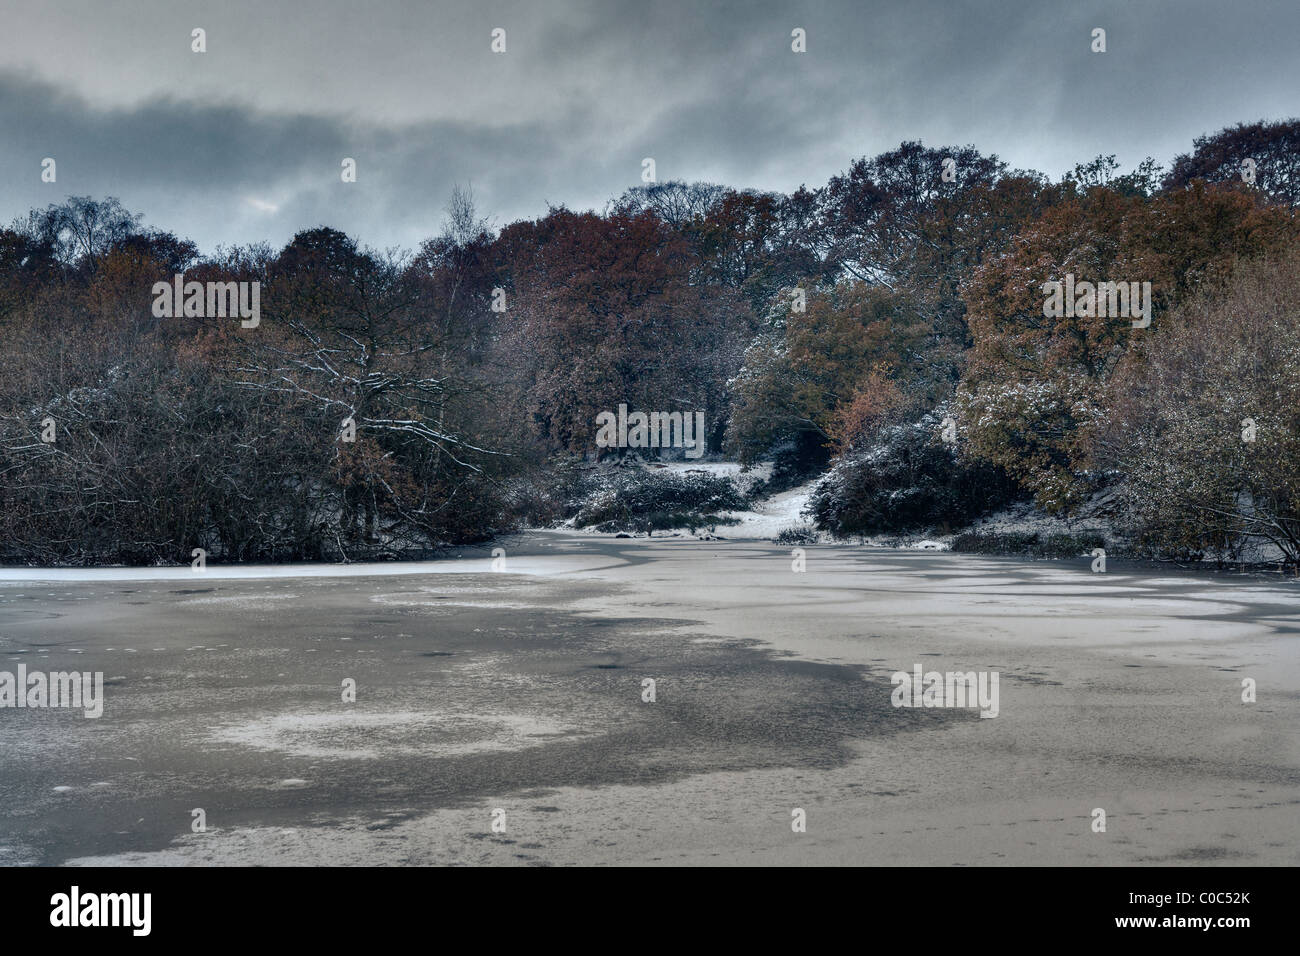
(770, 517)
(1024, 518)
(258, 572)
(785, 511)
(780, 512)
(725, 469)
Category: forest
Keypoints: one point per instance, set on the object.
(886, 333)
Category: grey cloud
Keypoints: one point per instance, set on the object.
(206, 148)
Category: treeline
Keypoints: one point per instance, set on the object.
(889, 324)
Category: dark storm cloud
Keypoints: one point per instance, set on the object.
(223, 173)
(244, 142)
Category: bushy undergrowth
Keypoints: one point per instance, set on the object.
(556, 492)
(793, 463)
(1028, 542)
(645, 500)
(908, 480)
(796, 535)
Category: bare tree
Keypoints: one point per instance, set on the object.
(81, 228)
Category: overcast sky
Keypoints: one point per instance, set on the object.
(244, 142)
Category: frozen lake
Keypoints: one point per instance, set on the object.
(521, 690)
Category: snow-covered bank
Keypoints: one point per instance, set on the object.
(764, 521)
(536, 565)
(770, 517)
(767, 519)
(785, 512)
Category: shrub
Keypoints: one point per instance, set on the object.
(796, 535)
(1028, 542)
(555, 492)
(907, 480)
(643, 500)
(1206, 423)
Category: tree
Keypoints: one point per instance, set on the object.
(1035, 385)
(1206, 423)
(918, 221)
(27, 265)
(757, 243)
(822, 376)
(605, 313)
(878, 212)
(81, 228)
(675, 202)
(1272, 148)
(1104, 171)
(349, 338)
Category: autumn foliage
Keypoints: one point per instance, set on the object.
(838, 326)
